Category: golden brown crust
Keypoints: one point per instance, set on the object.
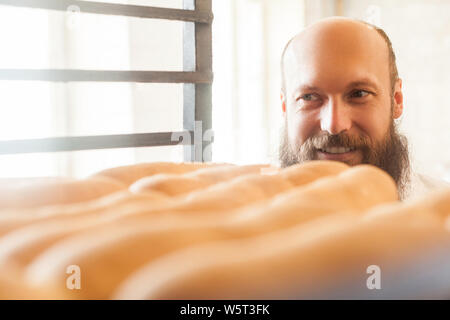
(222, 239)
(173, 184)
(299, 262)
(131, 173)
(36, 192)
(142, 240)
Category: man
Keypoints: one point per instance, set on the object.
(340, 97)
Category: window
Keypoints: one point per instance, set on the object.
(69, 41)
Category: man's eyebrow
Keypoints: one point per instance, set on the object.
(363, 83)
(306, 87)
(358, 83)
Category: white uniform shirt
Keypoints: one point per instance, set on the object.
(421, 184)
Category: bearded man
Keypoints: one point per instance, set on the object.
(341, 96)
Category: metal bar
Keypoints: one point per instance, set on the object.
(68, 75)
(115, 9)
(95, 142)
(197, 108)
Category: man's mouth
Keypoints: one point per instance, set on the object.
(336, 150)
(344, 154)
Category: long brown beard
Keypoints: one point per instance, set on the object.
(391, 154)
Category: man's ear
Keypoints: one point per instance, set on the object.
(283, 103)
(398, 99)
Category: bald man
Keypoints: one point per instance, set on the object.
(340, 96)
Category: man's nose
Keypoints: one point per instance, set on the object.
(335, 117)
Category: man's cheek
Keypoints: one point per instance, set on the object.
(374, 125)
(298, 130)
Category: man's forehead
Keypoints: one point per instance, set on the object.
(335, 49)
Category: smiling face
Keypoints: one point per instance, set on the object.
(339, 102)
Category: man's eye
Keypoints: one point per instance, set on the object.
(309, 97)
(359, 94)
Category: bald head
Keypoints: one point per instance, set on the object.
(336, 36)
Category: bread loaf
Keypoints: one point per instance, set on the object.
(131, 173)
(102, 209)
(252, 188)
(97, 205)
(13, 287)
(173, 185)
(35, 192)
(39, 231)
(141, 241)
(223, 196)
(318, 259)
